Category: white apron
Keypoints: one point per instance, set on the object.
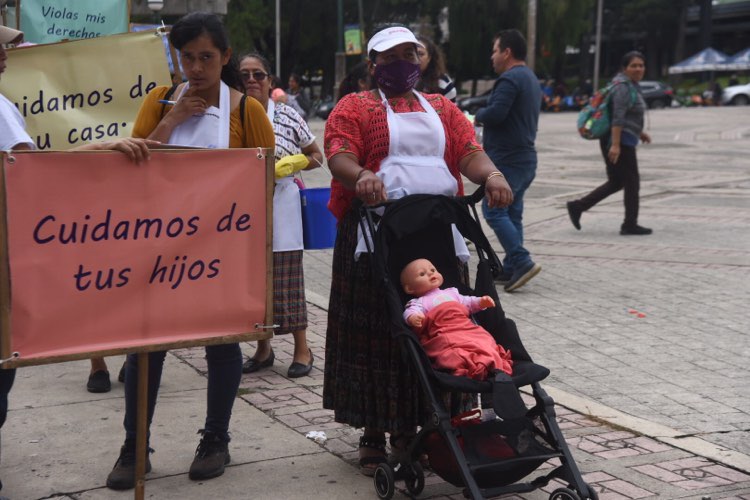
(287, 208)
(209, 130)
(416, 162)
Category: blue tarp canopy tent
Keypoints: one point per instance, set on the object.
(706, 60)
(739, 61)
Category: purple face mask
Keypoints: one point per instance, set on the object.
(397, 77)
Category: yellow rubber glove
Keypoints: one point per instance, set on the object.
(291, 164)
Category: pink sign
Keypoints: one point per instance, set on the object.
(106, 254)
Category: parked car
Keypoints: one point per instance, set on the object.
(658, 95)
(736, 94)
(475, 103)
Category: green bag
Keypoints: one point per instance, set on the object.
(594, 119)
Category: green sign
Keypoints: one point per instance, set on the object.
(352, 40)
(49, 21)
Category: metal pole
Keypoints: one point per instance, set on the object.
(531, 35)
(598, 49)
(339, 65)
(362, 29)
(278, 38)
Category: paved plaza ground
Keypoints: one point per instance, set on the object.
(646, 337)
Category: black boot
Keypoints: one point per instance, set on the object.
(122, 476)
(574, 212)
(211, 456)
(634, 229)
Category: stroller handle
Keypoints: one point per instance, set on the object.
(473, 198)
(469, 199)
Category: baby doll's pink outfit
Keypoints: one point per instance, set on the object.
(451, 340)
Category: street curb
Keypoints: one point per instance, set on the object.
(662, 433)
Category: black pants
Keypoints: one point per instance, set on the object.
(6, 382)
(621, 175)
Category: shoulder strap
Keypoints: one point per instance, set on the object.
(166, 98)
(242, 111)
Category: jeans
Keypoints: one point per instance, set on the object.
(508, 222)
(224, 374)
(621, 175)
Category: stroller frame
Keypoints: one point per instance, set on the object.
(419, 226)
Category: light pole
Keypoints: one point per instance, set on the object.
(155, 6)
(598, 49)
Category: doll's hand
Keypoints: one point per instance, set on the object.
(486, 302)
(415, 320)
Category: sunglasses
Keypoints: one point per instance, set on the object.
(258, 76)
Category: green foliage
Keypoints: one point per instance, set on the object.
(559, 24)
(250, 22)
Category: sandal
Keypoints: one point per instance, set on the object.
(368, 464)
(400, 444)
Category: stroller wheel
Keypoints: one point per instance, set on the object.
(593, 495)
(385, 481)
(415, 479)
(564, 494)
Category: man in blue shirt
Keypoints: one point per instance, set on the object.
(510, 124)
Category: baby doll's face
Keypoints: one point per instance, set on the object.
(419, 277)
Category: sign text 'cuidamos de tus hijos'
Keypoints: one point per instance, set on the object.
(109, 254)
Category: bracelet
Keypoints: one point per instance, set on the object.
(494, 174)
(356, 179)
(312, 157)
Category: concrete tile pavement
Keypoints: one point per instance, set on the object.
(652, 406)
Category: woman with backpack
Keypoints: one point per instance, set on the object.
(618, 147)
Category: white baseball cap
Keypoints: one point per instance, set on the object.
(9, 35)
(390, 37)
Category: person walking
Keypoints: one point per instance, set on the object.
(618, 147)
(295, 150)
(510, 125)
(211, 110)
(381, 144)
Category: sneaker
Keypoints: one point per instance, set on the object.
(574, 212)
(503, 277)
(636, 229)
(522, 276)
(211, 456)
(99, 382)
(122, 475)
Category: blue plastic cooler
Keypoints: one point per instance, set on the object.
(318, 224)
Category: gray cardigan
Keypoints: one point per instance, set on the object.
(626, 113)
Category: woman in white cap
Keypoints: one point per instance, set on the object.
(380, 144)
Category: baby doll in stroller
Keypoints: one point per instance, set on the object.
(441, 320)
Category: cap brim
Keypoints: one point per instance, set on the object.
(9, 35)
(392, 42)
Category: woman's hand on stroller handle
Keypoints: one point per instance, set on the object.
(497, 190)
(370, 188)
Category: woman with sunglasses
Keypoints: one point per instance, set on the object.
(207, 113)
(295, 150)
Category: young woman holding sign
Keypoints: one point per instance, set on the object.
(209, 111)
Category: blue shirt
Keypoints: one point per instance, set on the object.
(511, 117)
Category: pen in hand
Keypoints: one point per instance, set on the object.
(164, 101)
